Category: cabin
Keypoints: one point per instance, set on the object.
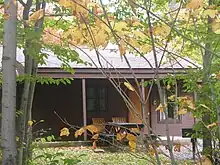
(97, 87)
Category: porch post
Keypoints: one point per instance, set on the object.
(84, 106)
(143, 96)
(143, 106)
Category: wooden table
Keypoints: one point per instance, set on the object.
(123, 126)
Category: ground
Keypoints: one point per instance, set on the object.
(86, 156)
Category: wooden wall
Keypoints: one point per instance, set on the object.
(66, 100)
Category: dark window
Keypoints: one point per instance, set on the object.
(96, 99)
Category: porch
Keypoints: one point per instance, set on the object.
(80, 102)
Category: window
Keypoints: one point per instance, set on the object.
(96, 99)
(170, 96)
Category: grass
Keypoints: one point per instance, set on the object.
(86, 156)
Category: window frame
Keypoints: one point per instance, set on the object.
(97, 97)
(177, 119)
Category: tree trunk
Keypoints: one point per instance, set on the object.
(9, 84)
(207, 61)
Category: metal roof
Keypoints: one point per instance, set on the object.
(111, 58)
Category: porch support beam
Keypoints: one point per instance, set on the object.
(84, 106)
(143, 106)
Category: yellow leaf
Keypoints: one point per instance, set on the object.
(195, 4)
(160, 108)
(36, 15)
(216, 27)
(177, 147)
(211, 13)
(92, 128)
(211, 125)
(172, 97)
(131, 137)
(95, 137)
(66, 3)
(146, 48)
(122, 48)
(120, 26)
(30, 123)
(132, 144)
(120, 136)
(182, 111)
(79, 132)
(64, 132)
(168, 86)
(129, 86)
(161, 30)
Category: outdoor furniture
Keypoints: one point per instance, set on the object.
(123, 126)
(99, 123)
(119, 119)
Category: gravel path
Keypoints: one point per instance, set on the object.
(185, 150)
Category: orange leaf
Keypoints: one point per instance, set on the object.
(122, 48)
(36, 15)
(79, 132)
(131, 137)
(92, 128)
(95, 137)
(195, 4)
(177, 147)
(6, 16)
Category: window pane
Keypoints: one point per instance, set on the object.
(91, 93)
(91, 104)
(102, 104)
(102, 92)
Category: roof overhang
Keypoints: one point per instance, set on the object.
(93, 73)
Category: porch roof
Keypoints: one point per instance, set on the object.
(110, 58)
(111, 61)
